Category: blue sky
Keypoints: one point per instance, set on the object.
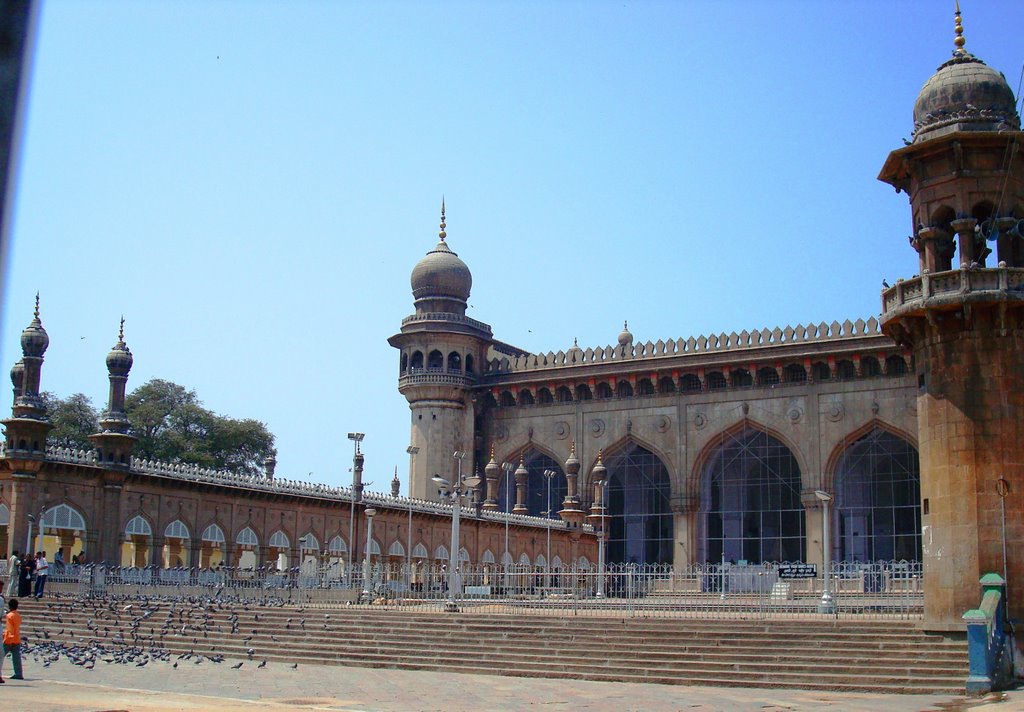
(251, 184)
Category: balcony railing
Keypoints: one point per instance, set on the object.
(917, 291)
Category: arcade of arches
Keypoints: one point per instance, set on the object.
(752, 502)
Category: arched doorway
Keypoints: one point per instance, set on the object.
(878, 500)
(279, 550)
(247, 545)
(638, 507)
(176, 541)
(63, 529)
(750, 508)
(538, 494)
(138, 537)
(211, 551)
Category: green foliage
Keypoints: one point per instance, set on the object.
(73, 418)
(171, 424)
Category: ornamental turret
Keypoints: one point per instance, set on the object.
(442, 352)
(963, 316)
(26, 429)
(113, 443)
(571, 511)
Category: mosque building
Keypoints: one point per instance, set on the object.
(720, 447)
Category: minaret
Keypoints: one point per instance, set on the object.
(491, 472)
(396, 485)
(963, 315)
(571, 511)
(113, 443)
(28, 425)
(441, 353)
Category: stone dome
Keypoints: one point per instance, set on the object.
(441, 274)
(34, 339)
(625, 336)
(17, 374)
(964, 94)
(119, 360)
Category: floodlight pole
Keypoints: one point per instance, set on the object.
(827, 604)
(549, 474)
(367, 569)
(356, 438)
(508, 467)
(412, 450)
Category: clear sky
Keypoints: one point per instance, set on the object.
(251, 184)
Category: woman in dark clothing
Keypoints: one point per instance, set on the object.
(28, 567)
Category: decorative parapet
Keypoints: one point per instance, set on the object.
(451, 318)
(951, 288)
(712, 343)
(193, 473)
(432, 376)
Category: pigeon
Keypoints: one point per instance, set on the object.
(262, 664)
(295, 666)
(235, 667)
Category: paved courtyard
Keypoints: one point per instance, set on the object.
(159, 686)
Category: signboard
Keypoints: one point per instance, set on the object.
(797, 571)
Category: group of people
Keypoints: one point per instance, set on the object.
(22, 571)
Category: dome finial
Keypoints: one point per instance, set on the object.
(37, 305)
(442, 234)
(120, 332)
(959, 40)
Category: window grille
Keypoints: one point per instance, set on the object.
(5, 515)
(279, 540)
(396, 549)
(639, 513)
(63, 517)
(488, 557)
(137, 525)
(750, 501)
(536, 486)
(419, 552)
(337, 545)
(309, 542)
(176, 530)
(878, 496)
(247, 537)
(716, 380)
(214, 534)
(441, 553)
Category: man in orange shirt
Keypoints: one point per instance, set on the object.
(12, 640)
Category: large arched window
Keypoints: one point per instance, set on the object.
(750, 501)
(638, 507)
(536, 486)
(63, 517)
(878, 500)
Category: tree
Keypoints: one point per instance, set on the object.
(74, 419)
(171, 424)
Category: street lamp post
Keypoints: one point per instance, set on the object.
(412, 450)
(367, 571)
(601, 539)
(455, 491)
(508, 467)
(827, 604)
(549, 475)
(356, 438)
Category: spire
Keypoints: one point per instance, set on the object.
(959, 40)
(120, 332)
(37, 306)
(442, 234)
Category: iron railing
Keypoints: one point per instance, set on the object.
(876, 589)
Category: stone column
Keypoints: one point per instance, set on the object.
(522, 480)
(491, 472)
(684, 521)
(109, 525)
(156, 554)
(964, 228)
(812, 528)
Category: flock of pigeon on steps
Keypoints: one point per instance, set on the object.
(137, 630)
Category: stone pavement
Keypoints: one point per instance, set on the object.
(159, 687)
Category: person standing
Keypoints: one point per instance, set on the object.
(42, 568)
(13, 574)
(28, 567)
(12, 639)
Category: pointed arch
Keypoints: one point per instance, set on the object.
(177, 530)
(419, 552)
(488, 557)
(737, 427)
(750, 486)
(309, 542)
(441, 553)
(639, 492)
(279, 540)
(5, 515)
(337, 545)
(138, 526)
(247, 537)
(463, 554)
(524, 559)
(374, 547)
(876, 481)
(537, 459)
(64, 516)
(618, 446)
(540, 561)
(213, 534)
(396, 549)
(853, 436)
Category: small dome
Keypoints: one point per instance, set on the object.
(964, 95)
(34, 339)
(119, 360)
(17, 373)
(441, 274)
(625, 337)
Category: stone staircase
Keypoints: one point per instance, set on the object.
(891, 656)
